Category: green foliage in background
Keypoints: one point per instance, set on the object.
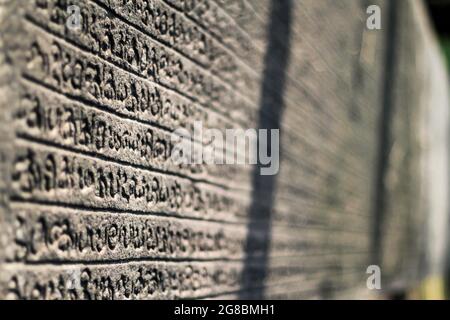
(445, 42)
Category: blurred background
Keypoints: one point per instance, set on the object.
(440, 16)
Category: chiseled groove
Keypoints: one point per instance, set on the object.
(94, 156)
(167, 46)
(327, 154)
(176, 51)
(298, 85)
(229, 49)
(94, 105)
(293, 79)
(98, 156)
(81, 207)
(290, 280)
(215, 36)
(106, 262)
(206, 31)
(277, 284)
(238, 26)
(296, 82)
(119, 115)
(19, 201)
(318, 52)
(87, 51)
(312, 96)
(97, 106)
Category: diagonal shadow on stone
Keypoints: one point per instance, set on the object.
(270, 114)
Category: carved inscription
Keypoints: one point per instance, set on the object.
(54, 119)
(124, 281)
(66, 178)
(132, 50)
(94, 206)
(63, 234)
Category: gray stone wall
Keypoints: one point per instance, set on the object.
(93, 206)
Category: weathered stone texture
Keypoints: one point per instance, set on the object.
(92, 205)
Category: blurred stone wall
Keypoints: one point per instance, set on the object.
(93, 206)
